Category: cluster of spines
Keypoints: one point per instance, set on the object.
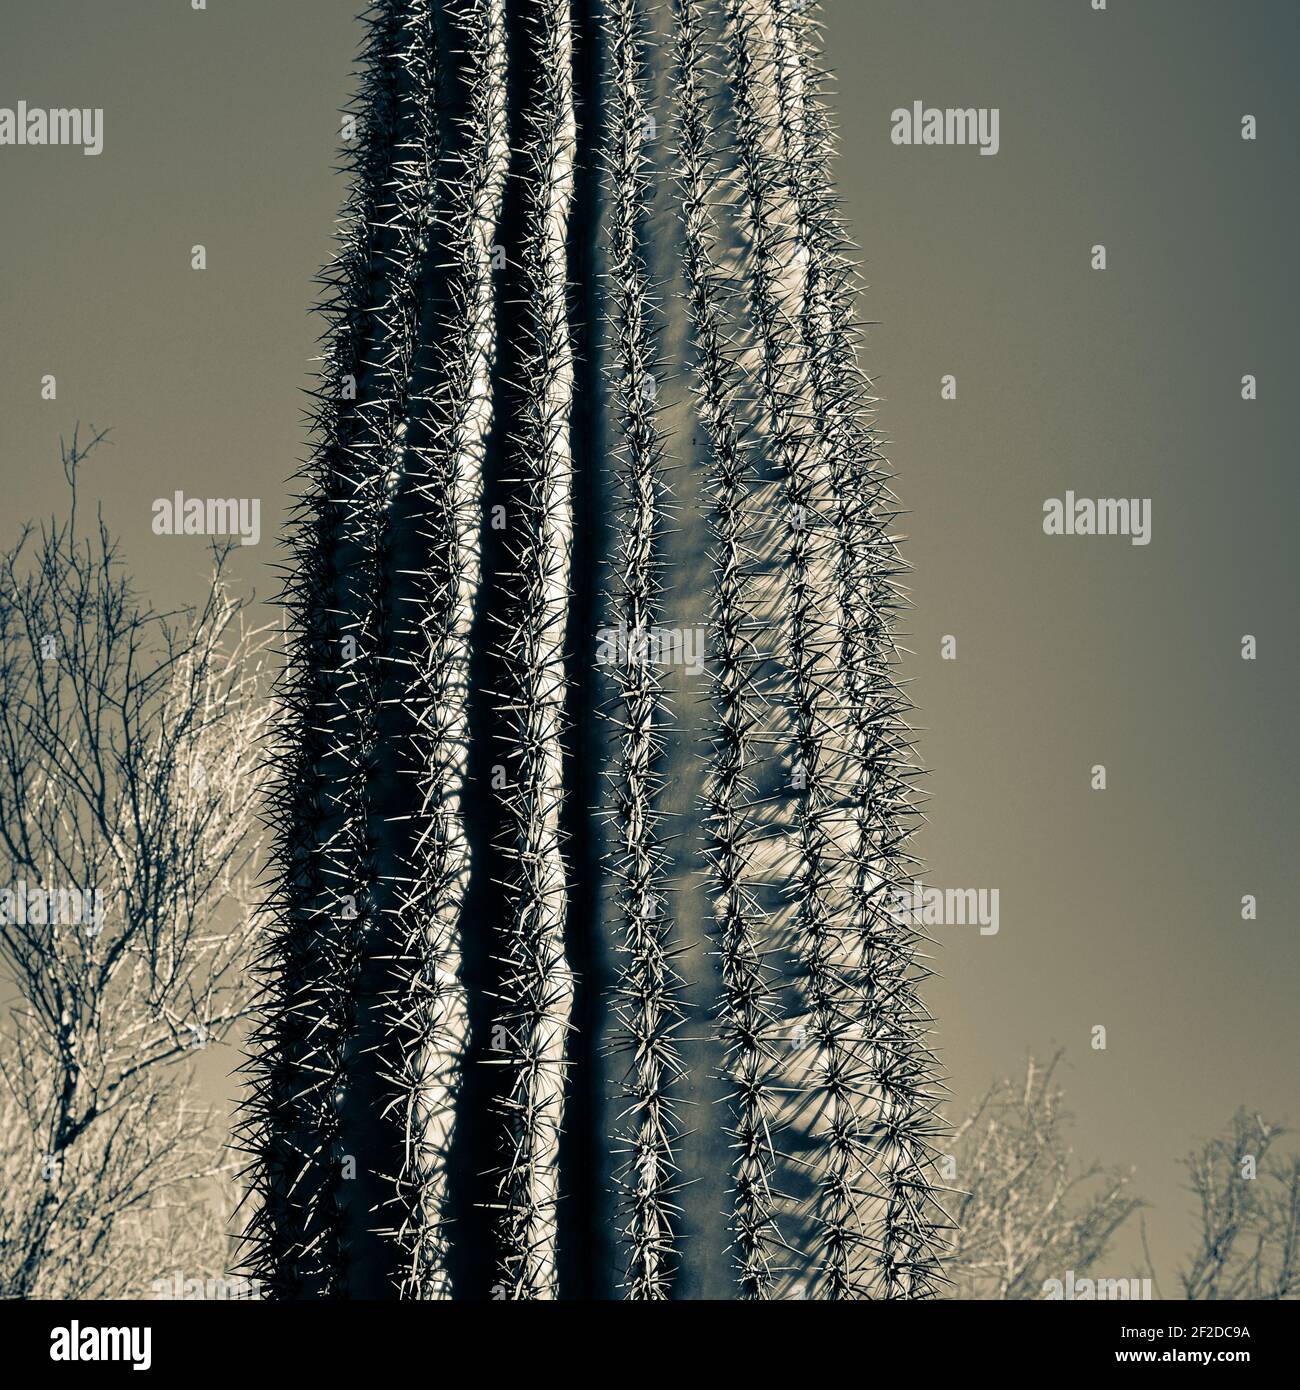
(429, 1011)
(910, 1220)
(392, 391)
(649, 1012)
(298, 1077)
(748, 1006)
(835, 1076)
(536, 986)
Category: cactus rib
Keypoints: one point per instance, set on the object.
(748, 1005)
(648, 1010)
(429, 1005)
(837, 1077)
(537, 987)
(904, 1072)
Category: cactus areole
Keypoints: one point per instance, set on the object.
(586, 974)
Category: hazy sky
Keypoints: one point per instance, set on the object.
(1118, 908)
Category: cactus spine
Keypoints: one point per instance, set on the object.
(436, 944)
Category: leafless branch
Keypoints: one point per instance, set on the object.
(128, 770)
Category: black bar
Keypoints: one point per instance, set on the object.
(254, 1342)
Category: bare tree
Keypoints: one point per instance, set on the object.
(1028, 1210)
(128, 773)
(1249, 1198)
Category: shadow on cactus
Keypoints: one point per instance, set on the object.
(596, 778)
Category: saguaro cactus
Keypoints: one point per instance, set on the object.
(588, 975)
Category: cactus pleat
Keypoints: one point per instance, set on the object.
(748, 1006)
(648, 1011)
(430, 1007)
(903, 1070)
(537, 989)
(591, 377)
(394, 396)
(835, 1079)
(297, 1124)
